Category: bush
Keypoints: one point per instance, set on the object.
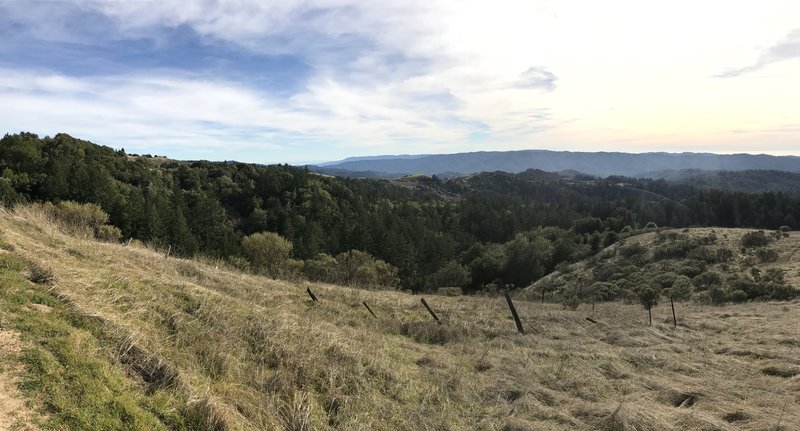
(634, 251)
(766, 255)
(755, 239)
(707, 280)
(323, 268)
(606, 291)
(363, 270)
(452, 274)
(449, 291)
(266, 251)
(717, 295)
(351, 268)
(681, 289)
(738, 296)
(691, 268)
(675, 250)
(76, 218)
(651, 225)
(108, 233)
(571, 301)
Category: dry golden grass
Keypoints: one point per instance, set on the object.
(253, 353)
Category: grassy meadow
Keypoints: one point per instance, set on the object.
(124, 337)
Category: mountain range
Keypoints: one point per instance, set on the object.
(601, 164)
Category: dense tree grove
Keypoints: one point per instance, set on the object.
(491, 229)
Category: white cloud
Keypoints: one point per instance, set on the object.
(423, 76)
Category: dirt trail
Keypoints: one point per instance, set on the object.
(14, 414)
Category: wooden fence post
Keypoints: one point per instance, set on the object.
(369, 309)
(514, 314)
(674, 320)
(435, 317)
(311, 294)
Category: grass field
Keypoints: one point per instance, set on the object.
(125, 338)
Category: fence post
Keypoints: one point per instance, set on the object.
(514, 314)
(369, 309)
(674, 320)
(311, 294)
(435, 317)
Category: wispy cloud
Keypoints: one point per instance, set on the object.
(537, 77)
(787, 49)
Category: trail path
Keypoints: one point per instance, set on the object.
(14, 414)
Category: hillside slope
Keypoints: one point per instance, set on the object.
(178, 344)
(713, 263)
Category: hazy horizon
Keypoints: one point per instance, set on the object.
(292, 81)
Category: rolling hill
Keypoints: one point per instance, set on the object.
(118, 336)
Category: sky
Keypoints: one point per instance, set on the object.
(314, 80)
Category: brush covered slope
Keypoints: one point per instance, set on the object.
(134, 340)
(707, 265)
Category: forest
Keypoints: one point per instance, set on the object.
(487, 231)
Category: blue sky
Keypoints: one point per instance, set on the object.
(314, 80)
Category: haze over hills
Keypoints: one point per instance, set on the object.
(600, 164)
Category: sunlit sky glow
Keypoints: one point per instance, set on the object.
(288, 81)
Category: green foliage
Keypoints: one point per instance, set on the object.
(681, 288)
(207, 208)
(267, 251)
(108, 233)
(351, 268)
(766, 255)
(755, 239)
(707, 280)
(78, 216)
(648, 297)
(452, 274)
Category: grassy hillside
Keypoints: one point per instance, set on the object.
(124, 338)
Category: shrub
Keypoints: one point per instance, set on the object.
(666, 280)
(717, 295)
(681, 289)
(571, 301)
(691, 268)
(449, 291)
(108, 233)
(767, 255)
(606, 291)
(363, 270)
(755, 239)
(707, 280)
(724, 254)
(675, 250)
(738, 296)
(651, 225)
(648, 297)
(785, 228)
(266, 251)
(782, 292)
(774, 275)
(452, 274)
(635, 250)
(323, 268)
(76, 218)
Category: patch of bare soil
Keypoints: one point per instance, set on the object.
(14, 414)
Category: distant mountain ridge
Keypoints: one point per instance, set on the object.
(601, 164)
